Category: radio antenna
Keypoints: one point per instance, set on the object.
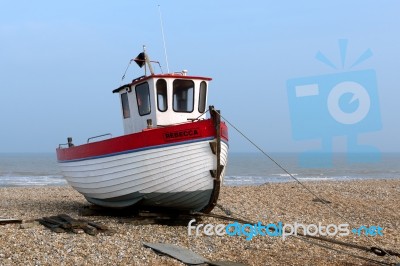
(162, 31)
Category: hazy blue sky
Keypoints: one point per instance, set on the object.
(59, 62)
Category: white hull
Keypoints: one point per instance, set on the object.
(175, 176)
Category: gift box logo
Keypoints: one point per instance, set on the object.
(339, 104)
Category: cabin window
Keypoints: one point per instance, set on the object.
(162, 103)
(143, 98)
(125, 105)
(202, 97)
(183, 95)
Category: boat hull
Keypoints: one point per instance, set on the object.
(175, 172)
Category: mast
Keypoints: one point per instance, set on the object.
(147, 59)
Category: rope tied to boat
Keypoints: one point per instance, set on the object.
(306, 238)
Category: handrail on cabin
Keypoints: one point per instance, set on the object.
(99, 136)
(61, 145)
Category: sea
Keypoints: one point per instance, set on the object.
(244, 169)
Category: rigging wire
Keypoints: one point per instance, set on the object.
(300, 183)
(163, 36)
(127, 67)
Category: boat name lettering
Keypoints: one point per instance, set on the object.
(193, 132)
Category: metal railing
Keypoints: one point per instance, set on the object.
(99, 136)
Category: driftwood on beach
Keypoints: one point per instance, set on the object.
(9, 221)
(64, 223)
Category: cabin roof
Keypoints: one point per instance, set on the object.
(173, 75)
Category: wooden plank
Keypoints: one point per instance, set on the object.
(225, 263)
(147, 220)
(74, 223)
(98, 226)
(90, 230)
(64, 222)
(10, 221)
(52, 227)
(53, 220)
(182, 254)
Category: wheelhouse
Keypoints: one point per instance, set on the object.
(162, 100)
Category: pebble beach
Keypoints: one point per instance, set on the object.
(357, 203)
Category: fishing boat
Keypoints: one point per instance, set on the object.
(172, 153)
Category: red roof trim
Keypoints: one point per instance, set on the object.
(172, 75)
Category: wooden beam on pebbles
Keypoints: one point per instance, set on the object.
(4, 221)
(94, 210)
(145, 216)
(65, 223)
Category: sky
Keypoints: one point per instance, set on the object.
(60, 61)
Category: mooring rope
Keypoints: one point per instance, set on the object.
(342, 251)
(377, 251)
(299, 236)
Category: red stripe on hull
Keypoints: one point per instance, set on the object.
(145, 139)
